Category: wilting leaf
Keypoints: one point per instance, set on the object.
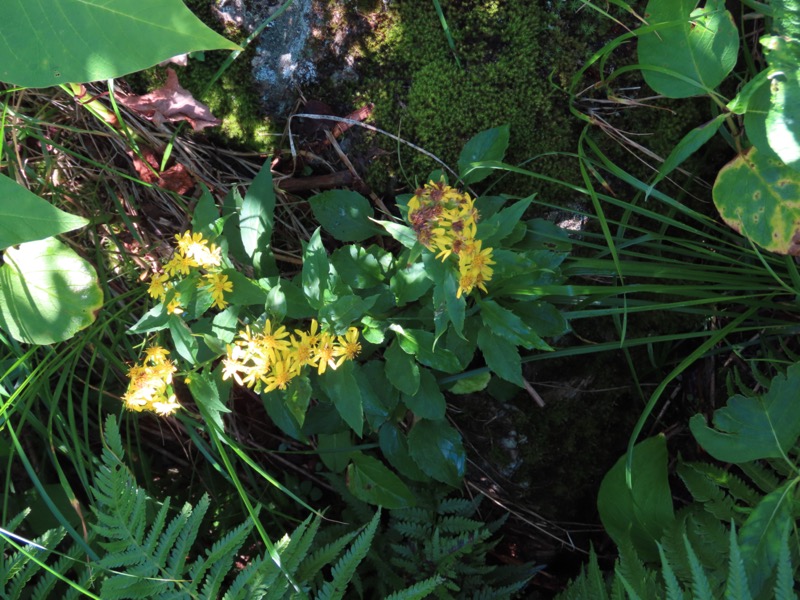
(171, 103)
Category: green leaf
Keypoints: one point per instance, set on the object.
(340, 313)
(315, 271)
(282, 416)
(206, 214)
(185, 343)
(438, 451)
(256, 221)
(757, 196)
(369, 480)
(472, 384)
(154, 319)
(335, 450)
(377, 394)
(205, 391)
(409, 284)
(755, 119)
(783, 56)
(47, 292)
(276, 303)
(691, 143)
(746, 429)
(401, 369)
(501, 356)
(487, 145)
(420, 343)
(297, 397)
(761, 536)
(90, 40)
(401, 233)
(394, 446)
(640, 514)
(500, 225)
(24, 217)
(346, 215)
(692, 49)
(358, 267)
(507, 325)
(342, 388)
(447, 308)
(428, 402)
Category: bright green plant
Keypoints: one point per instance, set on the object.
(454, 287)
(751, 517)
(687, 51)
(150, 551)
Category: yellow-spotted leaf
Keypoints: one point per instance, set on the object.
(759, 197)
(47, 292)
(45, 43)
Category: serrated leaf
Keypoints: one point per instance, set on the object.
(401, 369)
(692, 49)
(315, 271)
(500, 225)
(507, 325)
(256, 221)
(472, 384)
(342, 388)
(501, 356)
(344, 214)
(394, 446)
(297, 397)
(747, 429)
(758, 196)
(487, 145)
(641, 513)
(47, 292)
(369, 480)
(24, 217)
(410, 283)
(185, 343)
(438, 450)
(340, 313)
(401, 233)
(205, 392)
(358, 267)
(420, 343)
(90, 40)
(428, 402)
(335, 450)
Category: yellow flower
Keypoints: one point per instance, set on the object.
(465, 284)
(156, 355)
(281, 375)
(158, 288)
(174, 307)
(349, 347)
(149, 385)
(180, 265)
(217, 284)
(274, 341)
(326, 351)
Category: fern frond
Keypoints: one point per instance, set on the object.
(211, 568)
(343, 570)
(459, 506)
(673, 588)
(419, 590)
(761, 475)
(784, 582)
(458, 524)
(20, 568)
(323, 556)
(69, 560)
(631, 569)
(736, 586)
(701, 588)
(705, 490)
(187, 525)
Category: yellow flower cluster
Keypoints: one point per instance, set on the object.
(150, 386)
(446, 221)
(192, 252)
(272, 357)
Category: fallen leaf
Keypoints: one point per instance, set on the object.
(171, 102)
(175, 179)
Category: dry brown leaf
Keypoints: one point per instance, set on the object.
(175, 179)
(171, 102)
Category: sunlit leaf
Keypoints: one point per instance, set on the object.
(344, 214)
(438, 450)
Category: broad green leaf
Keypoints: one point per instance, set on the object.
(438, 451)
(46, 43)
(278, 410)
(691, 50)
(206, 214)
(410, 283)
(746, 429)
(447, 308)
(358, 267)
(403, 234)
(342, 388)
(154, 319)
(501, 356)
(401, 369)
(741, 103)
(428, 402)
(185, 343)
(472, 384)
(507, 325)
(205, 391)
(755, 119)
(378, 396)
(487, 145)
(276, 303)
(394, 446)
(24, 217)
(341, 313)
(256, 221)
(643, 513)
(297, 397)
(345, 214)
(500, 225)
(315, 271)
(369, 480)
(783, 118)
(47, 292)
(761, 536)
(760, 198)
(542, 317)
(335, 450)
(420, 343)
(691, 143)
